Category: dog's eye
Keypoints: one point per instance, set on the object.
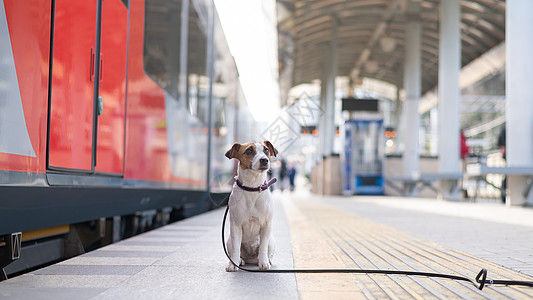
(266, 151)
(249, 151)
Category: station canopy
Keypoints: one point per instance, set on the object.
(371, 37)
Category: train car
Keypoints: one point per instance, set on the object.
(114, 118)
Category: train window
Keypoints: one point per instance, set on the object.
(162, 51)
(162, 43)
(219, 114)
(198, 83)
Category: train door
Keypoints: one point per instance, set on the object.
(111, 126)
(74, 129)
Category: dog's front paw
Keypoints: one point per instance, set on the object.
(231, 267)
(264, 264)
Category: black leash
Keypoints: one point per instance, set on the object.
(479, 282)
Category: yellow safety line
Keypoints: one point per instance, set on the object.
(310, 250)
(326, 237)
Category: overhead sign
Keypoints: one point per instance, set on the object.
(353, 104)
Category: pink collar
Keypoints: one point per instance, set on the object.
(260, 188)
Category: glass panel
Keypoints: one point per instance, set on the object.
(197, 67)
(162, 43)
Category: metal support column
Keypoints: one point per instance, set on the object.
(327, 104)
(321, 130)
(330, 88)
(211, 74)
(323, 101)
(412, 86)
(519, 102)
(449, 93)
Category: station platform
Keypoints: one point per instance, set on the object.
(185, 260)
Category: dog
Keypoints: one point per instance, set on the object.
(251, 207)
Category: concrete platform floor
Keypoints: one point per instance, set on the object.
(185, 260)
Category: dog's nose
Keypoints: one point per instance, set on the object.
(263, 161)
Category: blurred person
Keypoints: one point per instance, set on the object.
(282, 174)
(501, 146)
(464, 152)
(291, 172)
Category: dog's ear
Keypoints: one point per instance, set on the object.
(231, 152)
(270, 147)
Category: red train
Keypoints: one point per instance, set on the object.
(108, 110)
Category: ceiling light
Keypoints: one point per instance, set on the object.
(387, 44)
(371, 66)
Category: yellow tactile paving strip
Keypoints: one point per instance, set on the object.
(325, 237)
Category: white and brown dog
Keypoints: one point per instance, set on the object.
(251, 206)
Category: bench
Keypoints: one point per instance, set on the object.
(413, 184)
(479, 171)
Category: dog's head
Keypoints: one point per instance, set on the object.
(254, 156)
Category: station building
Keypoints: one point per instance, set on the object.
(438, 69)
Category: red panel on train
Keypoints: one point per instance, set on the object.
(71, 121)
(29, 31)
(146, 142)
(114, 41)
